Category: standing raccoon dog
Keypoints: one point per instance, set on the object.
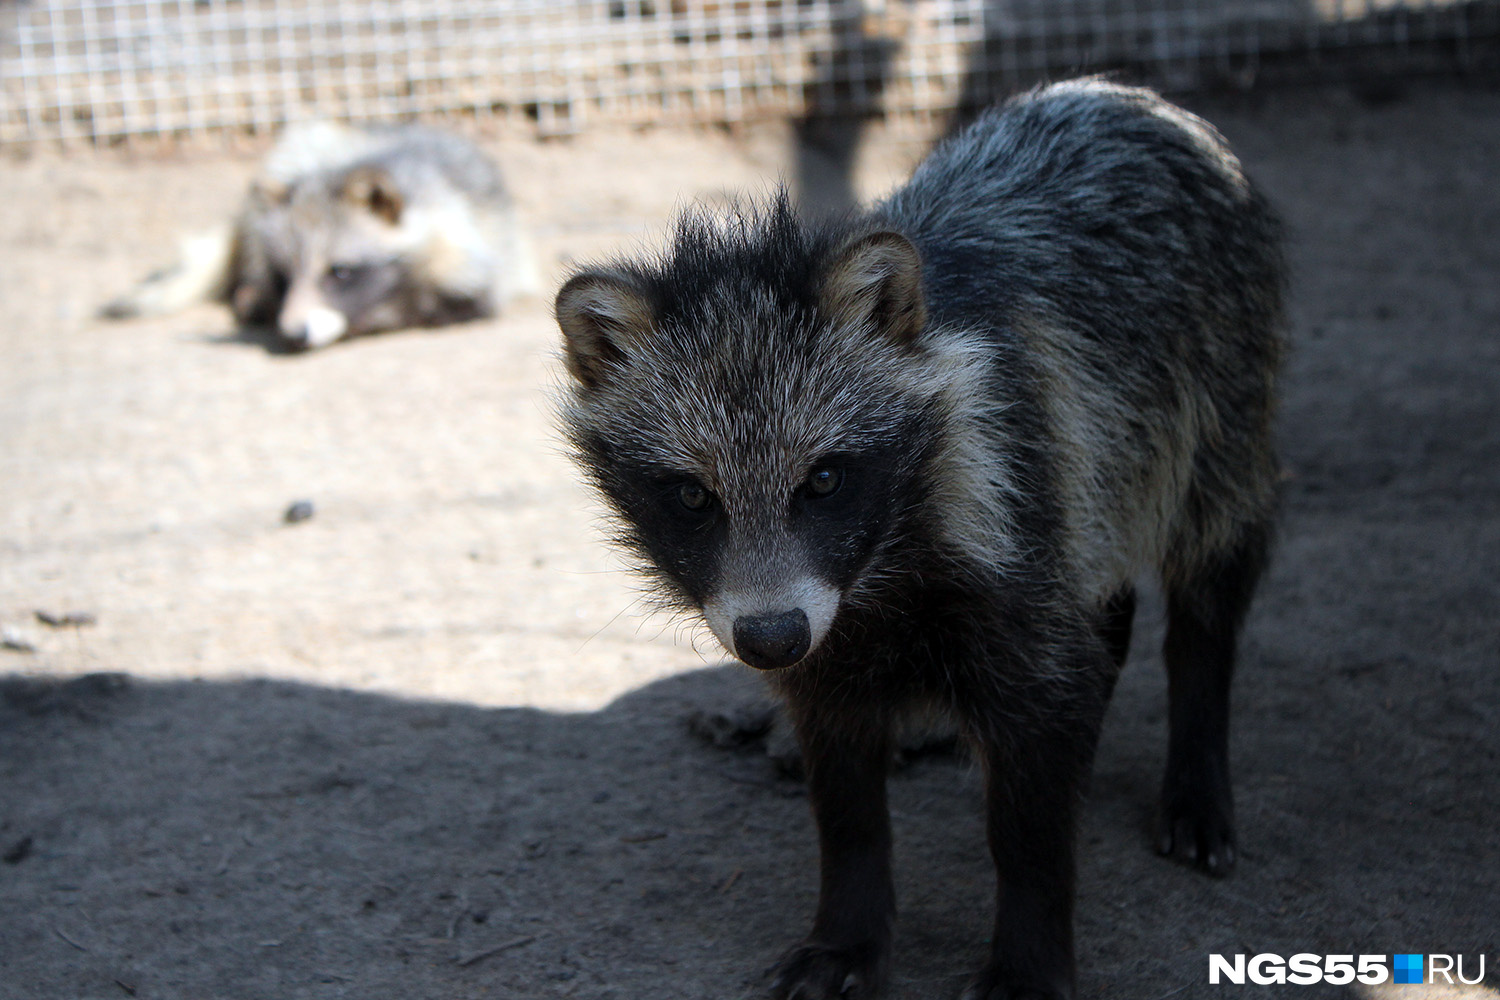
(349, 231)
(916, 459)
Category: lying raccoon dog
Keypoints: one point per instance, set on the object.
(917, 458)
(349, 231)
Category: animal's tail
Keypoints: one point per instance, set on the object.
(201, 274)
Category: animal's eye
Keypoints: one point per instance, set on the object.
(343, 273)
(694, 497)
(824, 481)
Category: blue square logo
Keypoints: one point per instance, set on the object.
(1406, 968)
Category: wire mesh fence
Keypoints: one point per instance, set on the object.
(99, 70)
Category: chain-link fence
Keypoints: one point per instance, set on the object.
(102, 69)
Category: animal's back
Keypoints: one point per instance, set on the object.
(465, 193)
(416, 153)
(1114, 238)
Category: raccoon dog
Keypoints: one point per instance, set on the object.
(917, 458)
(350, 231)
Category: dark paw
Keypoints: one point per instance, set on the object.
(1000, 984)
(817, 972)
(739, 726)
(761, 724)
(1198, 826)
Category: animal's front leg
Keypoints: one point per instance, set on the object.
(845, 955)
(1031, 821)
(1035, 770)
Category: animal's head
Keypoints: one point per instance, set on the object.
(343, 246)
(761, 410)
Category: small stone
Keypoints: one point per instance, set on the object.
(18, 852)
(300, 510)
(13, 639)
(69, 619)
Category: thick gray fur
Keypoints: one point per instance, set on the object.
(917, 458)
(1147, 292)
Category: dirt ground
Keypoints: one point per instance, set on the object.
(423, 745)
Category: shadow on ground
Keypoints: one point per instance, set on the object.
(264, 838)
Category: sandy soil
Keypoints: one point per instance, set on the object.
(424, 745)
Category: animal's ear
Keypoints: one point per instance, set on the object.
(373, 189)
(877, 279)
(601, 315)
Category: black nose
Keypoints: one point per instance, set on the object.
(770, 642)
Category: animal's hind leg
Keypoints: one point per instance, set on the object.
(1205, 610)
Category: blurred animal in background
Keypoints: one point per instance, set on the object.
(349, 231)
